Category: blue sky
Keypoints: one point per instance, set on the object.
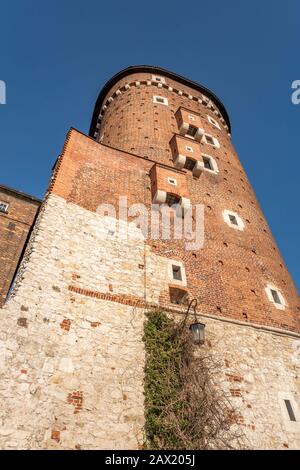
(56, 55)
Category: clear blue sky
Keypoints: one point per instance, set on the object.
(56, 55)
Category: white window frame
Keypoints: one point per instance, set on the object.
(172, 262)
(240, 223)
(213, 162)
(189, 149)
(172, 181)
(158, 79)
(4, 207)
(215, 144)
(292, 426)
(165, 100)
(213, 122)
(268, 290)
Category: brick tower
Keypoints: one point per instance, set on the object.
(72, 352)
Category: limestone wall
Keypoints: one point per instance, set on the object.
(71, 363)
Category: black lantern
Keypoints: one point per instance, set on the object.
(197, 330)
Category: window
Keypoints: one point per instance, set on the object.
(189, 149)
(213, 122)
(3, 206)
(233, 220)
(192, 131)
(172, 181)
(189, 164)
(274, 295)
(158, 79)
(172, 199)
(210, 140)
(176, 271)
(207, 163)
(191, 117)
(290, 410)
(160, 100)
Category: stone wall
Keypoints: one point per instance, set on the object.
(71, 361)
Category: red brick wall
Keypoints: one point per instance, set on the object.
(229, 274)
(14, 228)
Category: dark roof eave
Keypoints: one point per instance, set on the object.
(152, 69)
(20, 193)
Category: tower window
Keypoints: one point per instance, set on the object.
(207, 163)
(176, 271)
(189, 149)
(213, 122)
(191, 117)
(158, 79)
(209, 139)
(275, 296)
(160, 100)
(233, 219)
(189, 164)
(3, 206)
(290, 410)
(172, 199)
(192, 131)
(172, 181)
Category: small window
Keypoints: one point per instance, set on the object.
(275, 296)
(189, 149)
(158, 79)
(3, 206)
(176, 270)
(209, 139)
(207, 163)
(213, 122)
(290, 410)
(160, 100)
(192, 131)
(233, 219)
(191, 117)
(189, 164)
(172, 199)
(172, 181)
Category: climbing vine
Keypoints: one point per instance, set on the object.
(185, 409)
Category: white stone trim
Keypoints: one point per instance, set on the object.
(213, 162)
(268, 290)
(160, 197)
(180, 161)
(291, 426)
(170, 272)
(185, 204)
(213, 122)
(240, 224)
(165, 100)
(198, 168)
